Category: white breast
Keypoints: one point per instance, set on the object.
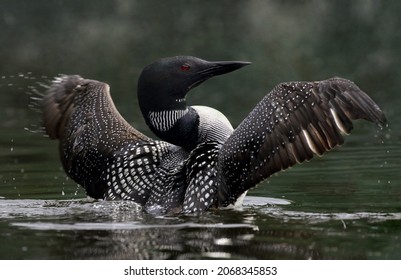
(213, 125)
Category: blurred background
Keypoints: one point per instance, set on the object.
(111, 41)
(286, 40)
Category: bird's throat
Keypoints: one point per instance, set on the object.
(178, 126)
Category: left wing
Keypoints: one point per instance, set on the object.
(98, 148)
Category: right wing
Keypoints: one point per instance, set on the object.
(290, 124)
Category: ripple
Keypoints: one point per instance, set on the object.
(316, 217)
(123, 226)
(260, 201)
(36, 208)
(12, 208)
(127, 215)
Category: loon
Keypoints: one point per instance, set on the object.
(199, 161)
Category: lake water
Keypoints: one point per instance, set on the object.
(345, 205)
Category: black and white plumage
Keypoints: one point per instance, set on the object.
(201, 162)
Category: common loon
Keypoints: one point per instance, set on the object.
(200, 161)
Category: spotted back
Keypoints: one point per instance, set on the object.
(132, 172)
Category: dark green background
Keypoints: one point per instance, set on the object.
(112, 41)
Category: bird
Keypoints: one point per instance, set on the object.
(197, 161)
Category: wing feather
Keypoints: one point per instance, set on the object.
(99, 149)
(289, 125)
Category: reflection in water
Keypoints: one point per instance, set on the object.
(87, 229)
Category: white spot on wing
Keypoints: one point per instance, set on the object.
(338, 121)
(310, 141)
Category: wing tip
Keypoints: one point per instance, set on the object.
(368, 109)
(56, 103)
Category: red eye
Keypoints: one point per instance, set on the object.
(185, 67)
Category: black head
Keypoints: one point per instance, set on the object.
(164, 84)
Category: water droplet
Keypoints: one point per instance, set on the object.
(12, 149)
(62, 193)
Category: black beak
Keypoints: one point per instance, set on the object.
(215, 68)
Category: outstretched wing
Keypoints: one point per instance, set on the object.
(72, 101)
(289, 125)
(98, 148)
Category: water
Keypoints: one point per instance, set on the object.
(82, 229)
(345, 205)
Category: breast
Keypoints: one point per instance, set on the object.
(213, 125)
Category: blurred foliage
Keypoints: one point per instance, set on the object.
(112, 41)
